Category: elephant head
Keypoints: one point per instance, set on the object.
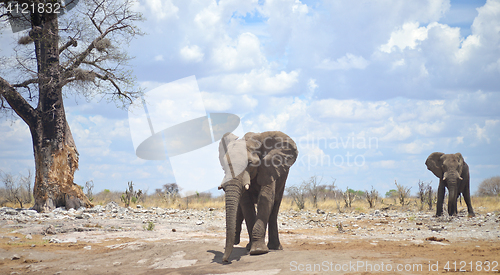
(269, 155)
(450, 169)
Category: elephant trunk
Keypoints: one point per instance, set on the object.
(233, 195)
(452, 198)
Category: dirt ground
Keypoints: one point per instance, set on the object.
(114, 246)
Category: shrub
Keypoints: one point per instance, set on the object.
(489, 187)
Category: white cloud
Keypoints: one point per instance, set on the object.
(408, 36)
(220, 102)
(386, 164)
(257, 81)
(397, 133)
(484, 133)
(415, 147)
(192, 53)
(244, 55)
(162, 9)
(467, 46)
(350, 109)
(347, 62)
(392, 70)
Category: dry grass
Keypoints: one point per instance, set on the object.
(192, 202)
(481, 205)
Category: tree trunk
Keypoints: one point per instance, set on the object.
(56, 162)
(56, 157)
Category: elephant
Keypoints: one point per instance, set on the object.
(453, 173)
(255, 171)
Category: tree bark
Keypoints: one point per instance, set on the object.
(56, 157)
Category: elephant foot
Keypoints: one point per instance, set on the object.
(258, 248)
(275, 246)
(471, 215)
(249, 246)
(237, 239)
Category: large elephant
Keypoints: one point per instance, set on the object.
(256, 168)
(453, 173)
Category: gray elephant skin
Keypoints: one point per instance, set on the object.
(453, 173)
(256, 168)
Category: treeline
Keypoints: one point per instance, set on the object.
(17, 190)
(313, 190)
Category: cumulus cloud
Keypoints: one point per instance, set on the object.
(485, 133)
(408, 36)
(349, 61)
(415, 147)
(162, 9)
(244, 55)
(350, 109)
(404, 73)
(192, 53)
(257, 81)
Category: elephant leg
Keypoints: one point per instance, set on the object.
(264, 206)
(274, 241)
(248, 209)
(239, 221)
(466, 195)
(440, 199)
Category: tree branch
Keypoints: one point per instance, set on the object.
(26, 83)
(71, 42)
(22, 108)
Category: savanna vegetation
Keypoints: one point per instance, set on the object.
(315, 194)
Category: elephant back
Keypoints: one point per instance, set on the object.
(274, 146)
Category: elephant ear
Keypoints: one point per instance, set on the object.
(280, 152)
(254, 148)
(461, 162)
(223, 145)
(435, 164)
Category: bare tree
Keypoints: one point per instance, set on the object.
(314, 189)
(371, 197)
(17, 189)
(430, 194)
(298, 194)
(349, 197)
(489, 187)
(89, 189)
(422, 187)
(75, 53)
(403, 193)
(335, 193)
(169, 193)
(424, 194)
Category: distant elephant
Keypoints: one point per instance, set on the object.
(256, 168)
(453, 173)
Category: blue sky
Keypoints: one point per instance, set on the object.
(373, 87)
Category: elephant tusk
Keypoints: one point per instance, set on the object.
(220, 187)
(444, 178)
(460, 177)
(247, 186)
